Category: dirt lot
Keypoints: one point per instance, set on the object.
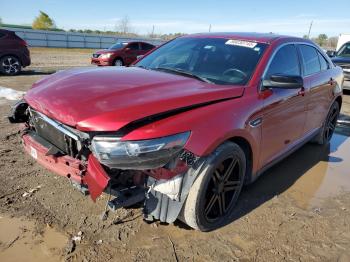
(297, 211)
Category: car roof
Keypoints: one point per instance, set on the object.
(5, 31)
(249, 36)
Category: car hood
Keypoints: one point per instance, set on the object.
(106, 99)
(341, 60)
(106, 51)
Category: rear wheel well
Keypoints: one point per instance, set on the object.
(339, 100)
(247, 149)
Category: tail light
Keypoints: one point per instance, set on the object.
(24, 43)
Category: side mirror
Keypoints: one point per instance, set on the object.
(331, 53)
(139, 57)
(127, 49)
(284, 82)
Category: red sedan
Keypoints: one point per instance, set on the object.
(188, 125)
(120, 54)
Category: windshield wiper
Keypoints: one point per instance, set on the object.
(140, 66)
(182, 72)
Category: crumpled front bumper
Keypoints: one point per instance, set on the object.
(90, 173)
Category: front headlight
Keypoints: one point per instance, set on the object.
(138, 155)
(105, 56)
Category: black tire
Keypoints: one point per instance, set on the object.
(10, 65)
(118, 62)
(327, 130)
(202, 209)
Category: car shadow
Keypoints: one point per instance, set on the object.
(32, 72)
(283, 175)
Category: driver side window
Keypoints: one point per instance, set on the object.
(285, 62)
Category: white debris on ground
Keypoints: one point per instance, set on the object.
(11, 94)
(31, 191)
(79, 237)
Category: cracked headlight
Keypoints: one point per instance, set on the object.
(138, 155)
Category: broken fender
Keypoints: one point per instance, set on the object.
(95, 178)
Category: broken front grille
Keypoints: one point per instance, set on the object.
(55, 133)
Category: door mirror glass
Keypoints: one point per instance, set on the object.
(284, 82)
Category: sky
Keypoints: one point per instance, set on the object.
(188, 16)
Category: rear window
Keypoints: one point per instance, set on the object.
(323, 62)
(310, 59)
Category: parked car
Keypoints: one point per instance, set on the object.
(120, 54)
(14, 53)
(186, 126)
(342, 59)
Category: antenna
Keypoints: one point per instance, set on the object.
(209, 28)
(308, 35)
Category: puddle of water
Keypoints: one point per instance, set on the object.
(328, 177)
(19, 242)
(308, 176)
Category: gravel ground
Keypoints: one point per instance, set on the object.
(297, 211)
(59, 58)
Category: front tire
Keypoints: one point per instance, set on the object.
(214, 194)
(118, 62)
(10, 65)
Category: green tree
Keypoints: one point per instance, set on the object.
(43, 22)
(322, 39)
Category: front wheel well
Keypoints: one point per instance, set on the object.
(247, 149)
(118, 58)
(19, 59)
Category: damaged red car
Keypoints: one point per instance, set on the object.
(185, 127)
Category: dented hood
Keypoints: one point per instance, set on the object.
(106, 99)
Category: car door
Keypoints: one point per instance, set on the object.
(316, 72)
(284, 111)
(131, 52)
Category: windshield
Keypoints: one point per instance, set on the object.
(117, 46)
(344, 50)
(217, 60)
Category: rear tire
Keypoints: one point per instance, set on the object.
(327, 130)
(10, 65)
(214, 194)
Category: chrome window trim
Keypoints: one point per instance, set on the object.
(330, 63)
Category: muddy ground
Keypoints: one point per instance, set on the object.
(297, 211)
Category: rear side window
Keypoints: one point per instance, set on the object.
(146, 47)
(134, 46)
(285, 62)
(310, 59)
(323, 62)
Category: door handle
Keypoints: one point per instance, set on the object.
(301, 92)
(331, 81)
